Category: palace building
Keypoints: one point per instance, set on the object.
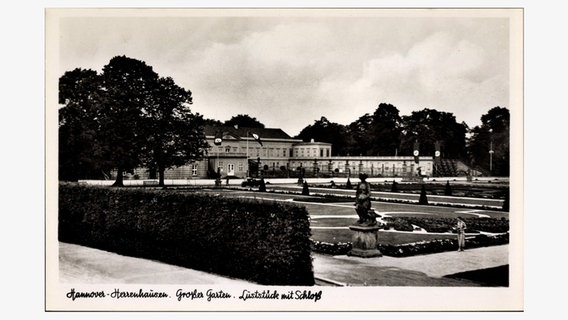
(270, 152)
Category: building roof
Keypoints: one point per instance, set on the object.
(313, 143)
(263, 133)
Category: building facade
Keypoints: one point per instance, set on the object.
(276, 154)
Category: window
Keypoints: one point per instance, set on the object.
(241, 166)
(284, 152)
(194, 169)
(227, 149)
(321, 152)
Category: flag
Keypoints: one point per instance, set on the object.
(416, 152)
(218, 138)
(256, 137)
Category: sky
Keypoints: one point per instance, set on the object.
(288, 68)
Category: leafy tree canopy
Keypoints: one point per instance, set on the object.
(428, 126)
(125, 118)
(376, 134)
(245, 121)
(324, 130)
(488, 146)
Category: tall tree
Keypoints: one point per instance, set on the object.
(386, 130)
(245, 121)
(492, 135)
(428, 126)
(80, 152)
(325, 131)
(125, 118)
(212, 122)
(359, 135)
(129, 85)
(173, 133)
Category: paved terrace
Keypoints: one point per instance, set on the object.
(79, 264)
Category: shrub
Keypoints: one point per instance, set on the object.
(340, 248)
(423, 199)
(506, 201)
(262, 186)
(440, 224)
(441, 245)
(305, 189)
(415, 248)
(448, 189)
(263, 242)
(397, 223)
(394, 187)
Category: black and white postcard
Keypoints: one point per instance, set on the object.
(284, 159)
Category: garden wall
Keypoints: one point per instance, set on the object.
(263, 242)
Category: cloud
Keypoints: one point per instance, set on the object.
(443, 71)
(289, 71)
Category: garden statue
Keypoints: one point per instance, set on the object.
(366, 231)
(367, 216)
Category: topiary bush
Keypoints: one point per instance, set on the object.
(262, 186)
(394, 187)
(423, 198)
(506, 201)
(305, 189)
(448, 189)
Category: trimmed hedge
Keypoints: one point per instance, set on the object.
(440, 224)
(340, 248)
(441, 245)
(263, 242)
(416, 248)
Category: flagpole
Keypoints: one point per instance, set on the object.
(248, 165)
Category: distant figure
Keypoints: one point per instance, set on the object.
(460, 228)
(363, 202)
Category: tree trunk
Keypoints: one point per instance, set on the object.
(119, 182)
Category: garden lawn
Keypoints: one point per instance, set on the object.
(330, 221)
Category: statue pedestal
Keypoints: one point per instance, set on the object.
(365, 241)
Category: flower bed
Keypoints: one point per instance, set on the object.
(416, 248)
(339, 248)
(441, 225)
(436, 246)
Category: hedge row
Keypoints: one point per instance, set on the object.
(416, 248)
(263, 242)
(441, 245)
(441, 224)
(331, 248)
